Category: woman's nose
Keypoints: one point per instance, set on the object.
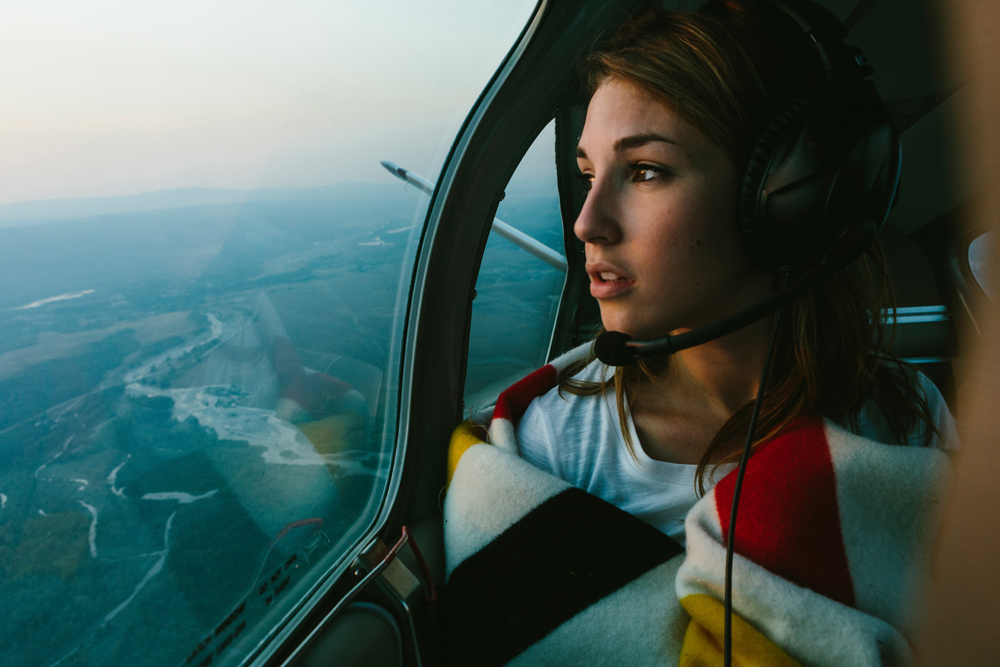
(597, 222)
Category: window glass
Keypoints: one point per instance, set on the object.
(203, 267)
(979, 262)
(517, 292)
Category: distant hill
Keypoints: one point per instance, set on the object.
(22, 214)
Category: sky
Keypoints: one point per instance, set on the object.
(118, 97)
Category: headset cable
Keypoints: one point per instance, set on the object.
(761, 388)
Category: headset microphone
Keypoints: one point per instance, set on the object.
(614, 348)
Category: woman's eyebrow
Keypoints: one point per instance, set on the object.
(636, 140)
(632, 141)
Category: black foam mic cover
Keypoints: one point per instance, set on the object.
(610, 349)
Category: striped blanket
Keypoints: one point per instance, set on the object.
(831, 546)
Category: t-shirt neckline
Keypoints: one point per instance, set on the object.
(641, 462)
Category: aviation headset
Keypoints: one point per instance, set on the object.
(820, 181)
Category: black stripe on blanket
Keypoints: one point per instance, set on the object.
(557, 560)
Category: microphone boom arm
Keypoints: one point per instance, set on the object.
(618, 349)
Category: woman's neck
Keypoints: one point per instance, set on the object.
(679, 411)
(726, 371)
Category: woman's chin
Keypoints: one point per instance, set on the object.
(630, 329)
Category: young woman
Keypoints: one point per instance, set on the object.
(678, 102)
(832, 524)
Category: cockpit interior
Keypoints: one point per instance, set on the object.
(225, 405)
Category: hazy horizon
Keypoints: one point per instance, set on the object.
(535, 175)
(37, 211)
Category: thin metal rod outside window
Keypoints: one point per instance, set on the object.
(515, 236)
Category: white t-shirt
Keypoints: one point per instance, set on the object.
(579, 439)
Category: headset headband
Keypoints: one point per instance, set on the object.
(829, 159)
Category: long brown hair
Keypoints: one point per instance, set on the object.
(717, 71)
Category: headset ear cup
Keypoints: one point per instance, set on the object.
(753, 226)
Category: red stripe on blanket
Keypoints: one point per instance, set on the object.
(789, 521)
(512, 403)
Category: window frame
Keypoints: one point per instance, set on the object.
(577, 308)
(551, 333)
(539, 79)
(311, 614)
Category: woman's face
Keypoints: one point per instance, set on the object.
(663, 247)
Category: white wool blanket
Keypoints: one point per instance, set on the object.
(831, 547)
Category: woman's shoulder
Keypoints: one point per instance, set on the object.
(875, 426)
(559, 405)
(555, 423)
(947, 436)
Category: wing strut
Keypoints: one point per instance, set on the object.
(515, 236)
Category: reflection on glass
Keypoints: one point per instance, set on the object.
(194, 378)
(517, 294)
(979, 261)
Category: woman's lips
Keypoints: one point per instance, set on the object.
(607, 284)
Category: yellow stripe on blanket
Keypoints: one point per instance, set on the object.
(703, 639)
(463, 437)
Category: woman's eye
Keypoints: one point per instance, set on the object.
(645, 172)
(587, 180)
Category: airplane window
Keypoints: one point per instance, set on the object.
(978, 261)
(204, 272)
(520, 280)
